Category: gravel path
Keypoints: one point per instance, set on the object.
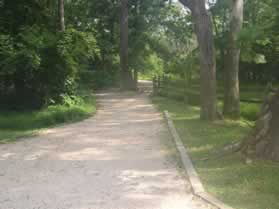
(114, 160)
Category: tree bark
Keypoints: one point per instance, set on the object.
(48, 4)
(126, 76)
(232, 56)
(136, 78)
(263, 141)
(61, 15)
(203, 29)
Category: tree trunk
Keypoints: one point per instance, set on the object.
(263, 140)
(61, 15)
(48, 4)
(203, 30)
(232, 56)
(136, 78)
(126, 76)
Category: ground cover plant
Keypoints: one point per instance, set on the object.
(252, 186)
(15, 125)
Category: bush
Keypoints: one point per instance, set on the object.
(39, 67)
(98, 79)
(72, 109)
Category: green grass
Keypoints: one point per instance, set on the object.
(18, 124)
(251, 96)
(251, 92)
(242, 186)
(248, 110)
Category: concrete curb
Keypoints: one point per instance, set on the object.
(195, 181)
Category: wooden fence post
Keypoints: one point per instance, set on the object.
(155, 86)
(167, 86)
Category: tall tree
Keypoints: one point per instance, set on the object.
(61, 15)
(232, 56)
(127, 80)
(203, 29)
(263, 140)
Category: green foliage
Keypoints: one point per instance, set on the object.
(18, 124)
(179, 89)
(154, 65)
(257, 40)
(98, 79)
(171, 42)
(38, 65)
(43, 66)
(247, 38)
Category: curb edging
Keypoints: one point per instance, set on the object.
(193, 176)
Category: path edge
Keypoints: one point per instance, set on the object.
(196, 184)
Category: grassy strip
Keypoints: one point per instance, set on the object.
(251, 93)
(17, 124)
(249, 110)
(242, 186)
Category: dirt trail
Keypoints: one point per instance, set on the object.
(114, 160)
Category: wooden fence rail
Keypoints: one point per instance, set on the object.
(181, 90)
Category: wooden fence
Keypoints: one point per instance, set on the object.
(175, 88)
(183, 90)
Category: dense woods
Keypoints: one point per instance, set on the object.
(40, 60)
(49, 50)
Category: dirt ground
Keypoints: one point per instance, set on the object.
(117, 159)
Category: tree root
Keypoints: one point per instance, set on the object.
(225, 151)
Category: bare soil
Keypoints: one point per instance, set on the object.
(114, 160)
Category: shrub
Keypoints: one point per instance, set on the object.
(39, 67)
